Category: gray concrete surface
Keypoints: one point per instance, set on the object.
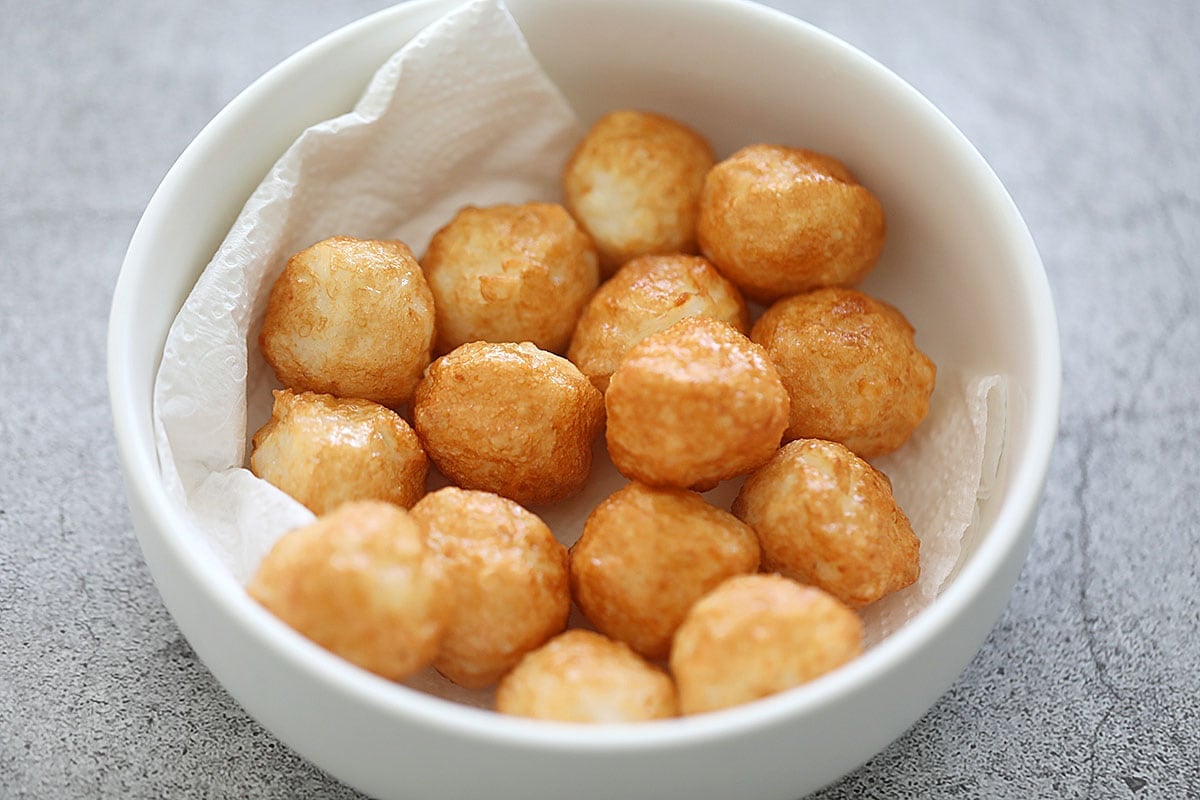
(1089, 686)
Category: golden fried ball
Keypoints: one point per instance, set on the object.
(581, 676)
(324, 451)
(851, 368)
(360, 582)
(648, 295)
(510, 419)
(693, 405)
(780, 220)
(634, 184)
(756, 635)
(827, 518)
(510, 273)
(508, 576)
(646, 555)
(352, 318)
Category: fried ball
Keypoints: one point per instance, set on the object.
(646, 555)
(510, 273)
(361, 583)
(634, 184)
(510, 419)
(508, 575)
(648, 295)
(851, 368)
(756, 635)
(352, 318)
(780, 220)
(324, 451)
(693, 405)
(581, 676)
(827, 518)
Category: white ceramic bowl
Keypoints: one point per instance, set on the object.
(959, 261)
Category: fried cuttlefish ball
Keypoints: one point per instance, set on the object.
(325, 450)
(757, 635)
(780, 220)
(646, 555)
(510, 419)
(647, 295)
(510, 273)
(851, 368)
(582, 676)
(360, 582)
(693, 405)
(827, 518)
(351, 318)
(634, 184)
(508, 575)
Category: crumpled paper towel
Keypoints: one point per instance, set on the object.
(939, 477)
(423, 141)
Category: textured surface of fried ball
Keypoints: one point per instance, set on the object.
(851, 368)
(827, 518)
(582, 676)
(780, 220)
(645, 296)
(352, 318)
(646, 555)
(634, 184)
(756, 635)
(508, 575)
(360, 582)
(693, 405)
(324, 451)
(510, 419)
(510, 273)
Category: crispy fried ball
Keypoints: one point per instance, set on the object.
(827, 518)
(648, 295)
(693, 405)
(324, 451)
(634, 184)
(851, 368)
(508, 576)
(756, 635)
(646, 555)
(780, 220)
(360, 582)
(510, 419)
(510, 273)
(581, 676)
(352, 318)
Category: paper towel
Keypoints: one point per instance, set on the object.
(939, 477)
(422, 142)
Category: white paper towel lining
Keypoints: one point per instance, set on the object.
(422, 142)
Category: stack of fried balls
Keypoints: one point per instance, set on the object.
(501, 356)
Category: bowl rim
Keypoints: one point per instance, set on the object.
(136, 450)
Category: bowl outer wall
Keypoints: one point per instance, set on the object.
(392, 742)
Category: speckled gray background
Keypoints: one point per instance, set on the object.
(1089, 686)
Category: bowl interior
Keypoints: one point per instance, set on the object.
(959, 261)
